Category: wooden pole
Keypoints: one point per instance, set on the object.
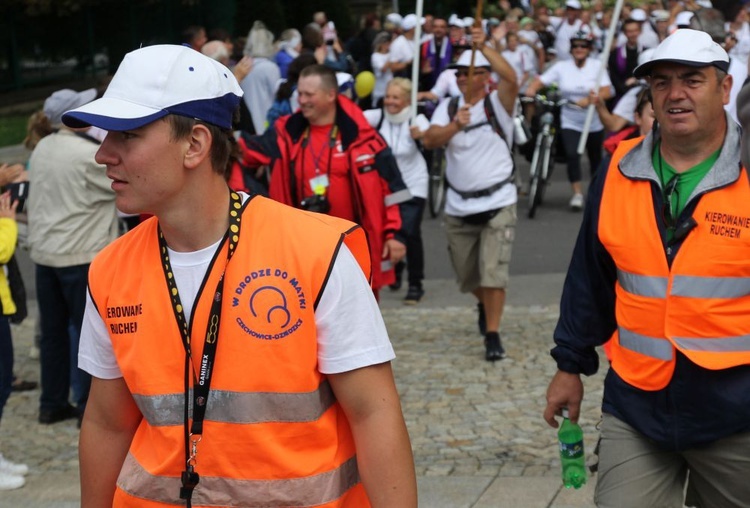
(470, 77)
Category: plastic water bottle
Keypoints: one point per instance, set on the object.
(572, 456)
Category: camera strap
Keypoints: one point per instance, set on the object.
(201, 383)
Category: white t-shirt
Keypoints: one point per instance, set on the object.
(563, 32)
(738, 71)
(575, 83)
(625, 107)
(477, 159)
(378, 61)
(350, 328)
(402, 50)
(410, 161)
(741, 50)
(522, 61)
(446, 84)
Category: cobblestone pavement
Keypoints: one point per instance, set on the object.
(466, 417)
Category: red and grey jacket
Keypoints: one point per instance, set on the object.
(377, 186)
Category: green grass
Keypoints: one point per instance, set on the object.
(12, 129)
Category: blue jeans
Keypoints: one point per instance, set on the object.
(61, 295)
(6, 362)
(411, 225)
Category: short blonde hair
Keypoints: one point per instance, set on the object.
(403, 83)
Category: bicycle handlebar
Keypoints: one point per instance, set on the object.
(543, 100)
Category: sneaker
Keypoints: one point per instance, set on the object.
(481, 319)
(413, 296)
(12, 468)
(11, 481)
(576, 202)
(493, 347)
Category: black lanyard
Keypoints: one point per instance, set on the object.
(202, 380)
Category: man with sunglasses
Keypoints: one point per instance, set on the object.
(480, 205)
(661, 271)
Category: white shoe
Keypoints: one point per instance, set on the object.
(576, 202)
(11, 468)
(11, 481)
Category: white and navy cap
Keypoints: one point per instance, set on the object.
(686, 47)
(156, 81)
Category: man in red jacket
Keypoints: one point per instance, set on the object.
(326, 158)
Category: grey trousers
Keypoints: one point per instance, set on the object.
(634, 473)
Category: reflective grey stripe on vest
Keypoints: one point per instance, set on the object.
(397, 197)
(710, 287)
(240, 407)
(740, 343)
(654, 347)
(219, 491)
(643, 285)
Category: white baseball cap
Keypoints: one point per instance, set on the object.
(395, 18)
(410, 22)
(63, 100)
(465, 60)
(638, 15)
(456, 21)
(156, 81)
(687, 47)
(573, 4)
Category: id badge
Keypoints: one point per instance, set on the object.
(319, 184)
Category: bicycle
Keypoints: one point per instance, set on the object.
(436, 184)
(543, 159)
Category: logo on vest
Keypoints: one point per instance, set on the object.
(122, 319)
(270, 302)
(726, 224)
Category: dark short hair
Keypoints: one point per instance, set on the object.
(326, 74)
(224, 148)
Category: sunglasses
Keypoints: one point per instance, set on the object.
(465, 72)
(578, 46)
(670, 190)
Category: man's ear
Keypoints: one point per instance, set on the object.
(199, 146)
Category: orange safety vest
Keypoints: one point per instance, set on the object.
(274, 434)
(700, 304)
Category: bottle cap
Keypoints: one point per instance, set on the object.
(565, 413)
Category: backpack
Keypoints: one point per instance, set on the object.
(489, 111)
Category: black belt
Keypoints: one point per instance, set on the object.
(481, 193)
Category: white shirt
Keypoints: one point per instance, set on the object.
(410, 161)
(350, 329)
(625, 107)
(738, 71)
(378, 61)
(446, 84)
(522, 61)
(563, 32)
(575, 83)
(402, 50)
(741, 50)
(477, 159)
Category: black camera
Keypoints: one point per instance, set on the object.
(316, 203)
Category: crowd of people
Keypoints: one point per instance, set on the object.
(328, 126)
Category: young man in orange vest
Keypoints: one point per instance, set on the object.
(661, 268)
(237, 352)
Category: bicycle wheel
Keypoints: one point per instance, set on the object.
(535, 177)
(436, 188)
(548, 163)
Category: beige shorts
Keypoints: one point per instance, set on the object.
(634, 473)
(481, 254)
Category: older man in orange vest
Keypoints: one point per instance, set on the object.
(661, 268)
